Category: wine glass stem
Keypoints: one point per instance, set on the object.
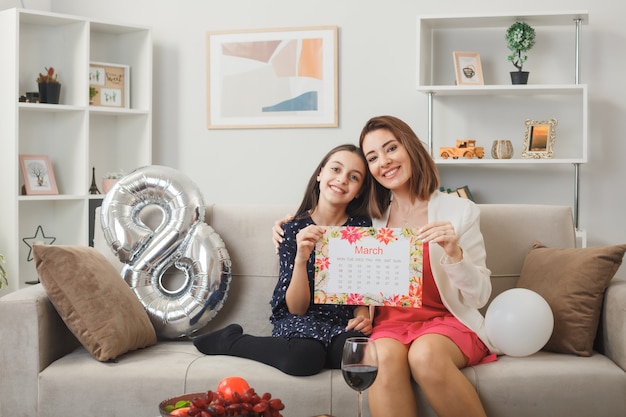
(358, 393)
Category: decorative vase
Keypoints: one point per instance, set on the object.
(49, 93)
(502, 149)
(107, 184)
(519, 77)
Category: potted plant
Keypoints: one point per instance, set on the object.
(49, 87)
(92, 93)
(110, 179)
(520, 37)
(3, 272)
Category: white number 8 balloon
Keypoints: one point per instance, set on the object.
(182, 240)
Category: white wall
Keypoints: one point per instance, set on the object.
(376, 65)
(27, 4)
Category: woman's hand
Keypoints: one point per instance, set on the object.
(277, 231)
(361, 321)
(444, 235)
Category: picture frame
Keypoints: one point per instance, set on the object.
(109, 85)
(539, 138)
(467, 68)
(38, 175)
(272, 78)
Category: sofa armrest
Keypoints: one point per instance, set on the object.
(614, 323)
(33, 336)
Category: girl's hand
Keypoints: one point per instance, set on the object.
(361, 321)
(277, 231)
(306, 239)
(444, 235)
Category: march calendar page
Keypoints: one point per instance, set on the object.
(369, 266)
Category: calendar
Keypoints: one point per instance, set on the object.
(369, 266)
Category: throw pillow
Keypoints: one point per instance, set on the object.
(93, 300)
(573, 282)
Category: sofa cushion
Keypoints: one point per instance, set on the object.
(573, 282)
(93, 300)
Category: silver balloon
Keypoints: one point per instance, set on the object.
(177, 305)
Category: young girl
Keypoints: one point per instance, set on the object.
(306, 336)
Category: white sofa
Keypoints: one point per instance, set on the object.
(45, 372)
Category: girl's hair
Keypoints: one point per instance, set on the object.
(424, 178)
(357, 207)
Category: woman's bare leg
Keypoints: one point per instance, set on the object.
(435, 363)
(392, 394)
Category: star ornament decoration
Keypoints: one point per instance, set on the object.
(40, 238)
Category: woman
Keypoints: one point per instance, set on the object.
(430, 344)
(307, 336)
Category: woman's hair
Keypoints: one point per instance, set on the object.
(424, 178)
(357, 207)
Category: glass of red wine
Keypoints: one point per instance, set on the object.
(359, 365)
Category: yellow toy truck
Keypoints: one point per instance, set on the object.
(464, 147)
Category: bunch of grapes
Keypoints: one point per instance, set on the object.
(248, 404)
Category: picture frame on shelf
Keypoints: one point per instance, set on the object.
(467, 68)
(109, 85)
(539, 138)
(272, 78)
(38, 175)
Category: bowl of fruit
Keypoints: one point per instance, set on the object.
(233, 397)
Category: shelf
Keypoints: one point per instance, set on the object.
(502, 90)
(75, 136)
(439, 36)
(496, 20)
(504, 162)
(498, 109)
(117, 111)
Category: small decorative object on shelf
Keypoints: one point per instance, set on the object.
(94, 188)
(49, 87)
(464, 147)
(539, 139)
(520, 37)
(502, 149)
(3, 272)
(40, 238)
(463, 192)
(467, 68)
(92, 93)
(38, 175)
(110, 83)
(110, 179)
(30, 97)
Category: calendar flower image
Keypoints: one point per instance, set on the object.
(354, 299)
(322, 263)
(393, 300)
(319, 297)
(352, 233)
(386, 235)
(334, 298)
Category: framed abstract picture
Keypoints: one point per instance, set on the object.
(272, 78)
